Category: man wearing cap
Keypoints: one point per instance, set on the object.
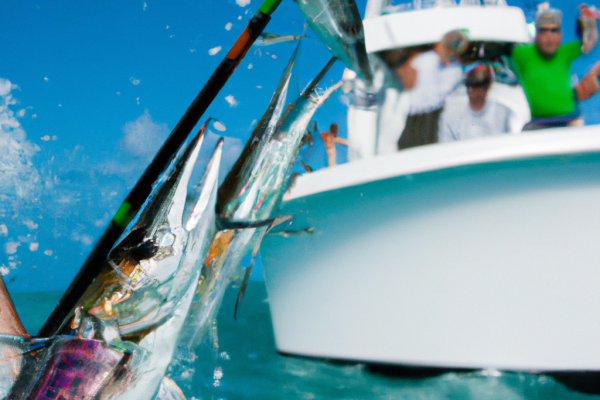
(544, 67)
(477, 117)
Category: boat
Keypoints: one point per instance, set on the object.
(472, 254)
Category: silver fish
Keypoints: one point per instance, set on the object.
(237, 177)
(260, 185)
(267, 39)
(221, 266)
(339, 26)
(160, 342)
(232, 244)
(255, 183)
(136, 286)
(134, 310)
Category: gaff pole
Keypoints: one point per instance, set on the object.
(140, 192)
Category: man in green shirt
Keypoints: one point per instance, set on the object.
(544, 68)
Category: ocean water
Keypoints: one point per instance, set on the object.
(241, 362)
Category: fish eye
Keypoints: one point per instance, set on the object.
(164, 237)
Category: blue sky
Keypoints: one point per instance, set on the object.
(89, 79)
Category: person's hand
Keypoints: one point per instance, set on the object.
(595, 70)
(589, 85)
(589, 34)
(407, 73)
(453, 45)
(456, 41)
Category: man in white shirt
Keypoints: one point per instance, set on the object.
(480, 116)
(430, 77)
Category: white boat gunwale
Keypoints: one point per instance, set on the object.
(550, 142)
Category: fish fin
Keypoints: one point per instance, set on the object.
(307, 167)
(10, 322)
(242, 290)
(249, 270)
(175, 214)
(169, 390)
(280, 220)
(14, 348)
(208, 184)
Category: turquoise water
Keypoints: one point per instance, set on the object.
(246, 366)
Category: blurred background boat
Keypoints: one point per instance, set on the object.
(473, 254)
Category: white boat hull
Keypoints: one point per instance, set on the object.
(490, 260)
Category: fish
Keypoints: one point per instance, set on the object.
(161, 342)
(165, 274)
(260, 171)
(254, 191)
(588, 27)
(138, 285)
(266, 180)
(219, 266)
(339, 26)
(275, 222)
(264, 130)
(267, 39)
(123, 330)
(307, 167)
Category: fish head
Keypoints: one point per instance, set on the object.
(153, 245)
(141, 252)
(136, 246)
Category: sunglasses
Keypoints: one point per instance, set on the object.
(553, 30)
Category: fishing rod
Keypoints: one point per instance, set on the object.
(140, 192)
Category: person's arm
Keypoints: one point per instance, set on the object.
(341, 141)
(589, 85)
